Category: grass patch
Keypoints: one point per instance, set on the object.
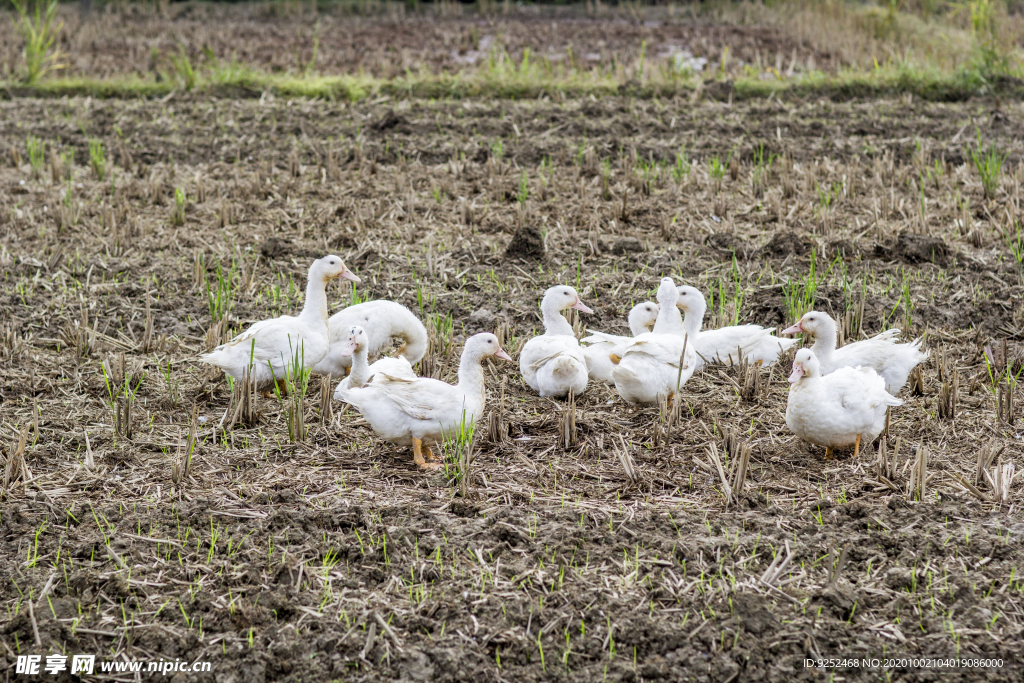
(927, 84)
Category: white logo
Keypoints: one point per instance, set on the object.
(82, 664)
(28, 664)
(55, 664)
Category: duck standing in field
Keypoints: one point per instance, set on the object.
(656, 363)
(600, 345)
(270, 349)
(837, 410)
(726, 344)
(361, 371)
(553, 363)
(381, 320)
(422, 411)
(881, 353)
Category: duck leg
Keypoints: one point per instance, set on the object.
(417, 456)
(282, 387)
(856, 448)
(828, 452)
(431, 458)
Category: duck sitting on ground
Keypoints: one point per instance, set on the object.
(424, 411)
(271, 349)
(382, 320)
(881, 353)
(598, 353)
(657, 363)
(727, 344)
(837, 410)
(361, 371)
(553, 363)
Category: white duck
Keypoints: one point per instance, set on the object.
(598, 353)
(424, 411)
(553, 363)
(381, 320)
(656, 363)
(881, 353)
(268, 348)
(361, 371)
(836, 410)
(757, 344)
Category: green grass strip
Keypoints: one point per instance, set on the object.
(241, 82)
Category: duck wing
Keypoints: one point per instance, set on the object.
(423, 398)
(546, 349)
(393, 367)
(598, 337)
(664, 348)
(266, 340)
(861, 389)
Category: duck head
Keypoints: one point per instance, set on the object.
(667, 292)
(805, 364)
(812, 323)
(561, 297)
(355, 341)
(485, 345)
(331, 267)
(643, 316)
(691, 300)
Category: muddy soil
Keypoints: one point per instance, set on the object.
(335, 559)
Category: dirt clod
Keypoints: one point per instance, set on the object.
(390, 120)
(726, 243)
(527, 243)
(914, 248)
(481, 320)
(275, 248)
(627, 245)
(784, 243)
(753, 614)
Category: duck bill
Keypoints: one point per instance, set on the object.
(349, 275)
(502, 355)
(580, 307)
(798, 372)
(348, 349)
(795, 329)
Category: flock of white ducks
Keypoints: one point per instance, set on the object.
(838, 397)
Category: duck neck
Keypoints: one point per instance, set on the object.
(825, 343)
(810, 381)
(360, 368)
(554, 321)
(314, 311)
(669, 321)
(471, 374)
(694, 319)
